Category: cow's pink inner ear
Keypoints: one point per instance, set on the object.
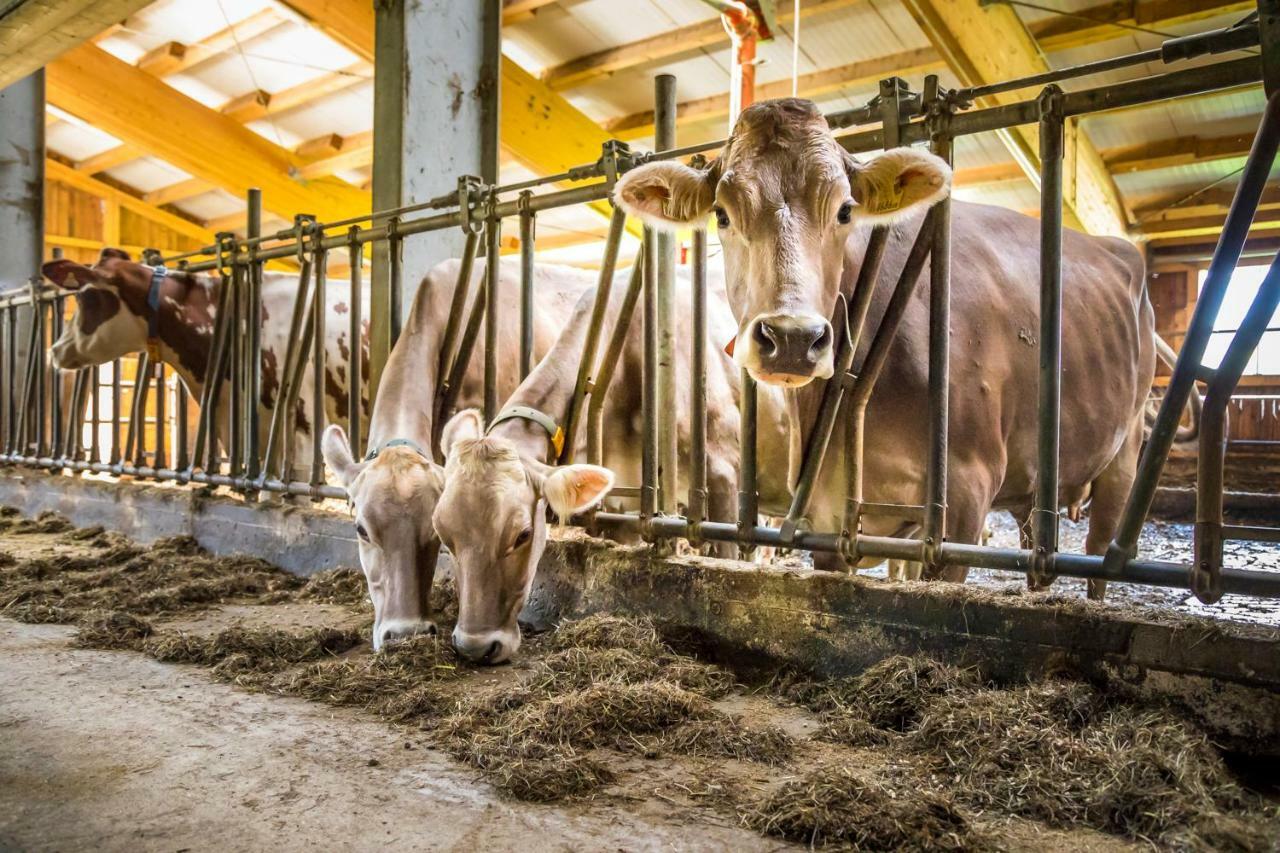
(68, 274)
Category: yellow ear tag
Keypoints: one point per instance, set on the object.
(557, 441)
(153, 349)
(887, 200)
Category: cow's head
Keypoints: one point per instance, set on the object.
(105, 325)
(492, 518)
(785, 196)
(392, 497)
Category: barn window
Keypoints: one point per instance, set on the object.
(1240, 293)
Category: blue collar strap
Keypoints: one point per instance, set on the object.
(158, 275)
(395, 442)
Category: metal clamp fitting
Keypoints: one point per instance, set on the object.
(470, 187)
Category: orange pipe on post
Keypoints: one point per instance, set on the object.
(743, 26)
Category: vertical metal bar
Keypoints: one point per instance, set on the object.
(205, 452)
(161, 455)
(649, 453)
(253, 405)
(1044, 524)
(1206, 568)
(527, 222)
(395, 248)
(492, 309)
(70, 444)
(458, 369)
(57, 309)
(355, 255)
(293, 388)
(135, 436)
(235, 373)
(320, 265)
(282, 416)
(490, 89)
(38, 360)
(605, 369)
(698, 385)
(591, 344)
(668, 404)
(458, 306)
(117, 398)
(31, 409)
(180, 416)
(10, 377)
(935, 510)
(95, 414)
(1253, 180)
(748, 496)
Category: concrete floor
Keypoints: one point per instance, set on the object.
(114, 751)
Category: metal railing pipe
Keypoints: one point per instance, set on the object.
(492, 313)
(934, 529)
(649, 450)
(355, 338)
(528, 221)
(697, 511)
(668, 406)
(608, 364)
(253, 346)
(320, 310)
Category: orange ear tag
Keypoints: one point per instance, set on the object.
(728, 348)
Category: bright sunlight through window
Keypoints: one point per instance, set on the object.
(1240, 292)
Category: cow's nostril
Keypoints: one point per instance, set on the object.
(765, 339)
(819, 346)
(494, 649)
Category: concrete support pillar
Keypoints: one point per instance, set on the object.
(437, 67)
(21, 180)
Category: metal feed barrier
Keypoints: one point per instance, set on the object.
(39, 430)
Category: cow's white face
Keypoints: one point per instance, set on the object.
(492, 518)
(103, 327)
(786, 197)
(392, 499)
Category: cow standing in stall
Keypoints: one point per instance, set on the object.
(120, 303)
(394, 488)
(794, 211)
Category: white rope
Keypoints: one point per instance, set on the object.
(795, 50)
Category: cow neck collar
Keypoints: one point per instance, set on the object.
(158, 275)
(375, 450)
(555, 434)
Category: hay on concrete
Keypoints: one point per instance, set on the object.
(532, 770)
(266, 647)
(1060, 753)
(731, 738)
(12, 522)
(83, 534)
(835, 807)
(603, 631)
(890, 695)
(418, 667)
(575, 668)
(336, 586)
(112, 630)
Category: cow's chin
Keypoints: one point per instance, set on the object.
(782, 380)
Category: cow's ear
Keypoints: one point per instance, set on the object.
(897, 183)
(667, 195)
(570, 489)
(467, 424)
(69, 274)
(109, 252)
(337, 455)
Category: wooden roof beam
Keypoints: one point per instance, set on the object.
(1204, 226)
(515, 11)
(327, 158)
(190, 188)
(259, 104)
(109, 159)
(55, 170)
(172, 57)
(1112, 20)
(983, 44)
(141, 110)
(33, 33)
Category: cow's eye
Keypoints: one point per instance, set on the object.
(523, 538)
(361, 532)
(845, 214)
(722, 218)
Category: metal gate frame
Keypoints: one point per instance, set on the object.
(43, 436)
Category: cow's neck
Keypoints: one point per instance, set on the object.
(185, 320)
(405, 401)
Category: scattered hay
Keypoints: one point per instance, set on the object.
(112, 630)
(7, 559)
(265, 647)
(1061, 753)
(380, 682)
(576, 668)
(83, 534)
(606, 715)
(730, 738)
(12, 522)
(835, 807)
(35, 613)
(337, 586)
(602, 631)
(531, 770)
(848, 730)
(890, 695)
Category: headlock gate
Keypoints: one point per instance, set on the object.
(42, 421)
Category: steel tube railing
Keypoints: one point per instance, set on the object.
(492, 311)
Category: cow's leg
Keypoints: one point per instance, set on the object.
(722, 491)
(1109, 492)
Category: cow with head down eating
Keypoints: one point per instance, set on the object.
(393, 490)
(794, 211)
(120, 304)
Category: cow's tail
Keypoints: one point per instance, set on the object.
(1185, 434)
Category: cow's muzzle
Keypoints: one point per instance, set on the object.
(489, 647)
(790, 349)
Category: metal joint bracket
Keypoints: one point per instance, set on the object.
(1049, 102)
(470, 187)
(301, 228)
